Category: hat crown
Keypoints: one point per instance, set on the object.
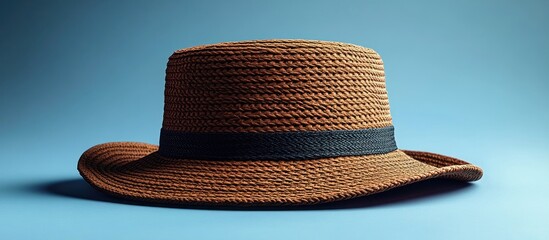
(275, 86)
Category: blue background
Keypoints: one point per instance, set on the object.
(465, 78)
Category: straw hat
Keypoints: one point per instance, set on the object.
(269, 122)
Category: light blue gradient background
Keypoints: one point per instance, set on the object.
(465, 78)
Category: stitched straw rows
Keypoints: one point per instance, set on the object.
(269, 86)
(121, 169)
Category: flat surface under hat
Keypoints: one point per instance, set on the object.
(136, 171)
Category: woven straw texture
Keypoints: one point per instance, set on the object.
(275, 86)
(267, 86)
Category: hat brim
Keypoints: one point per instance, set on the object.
(136, 171)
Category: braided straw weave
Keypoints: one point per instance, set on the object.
(267, 86)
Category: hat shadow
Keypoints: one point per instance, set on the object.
(424, 190)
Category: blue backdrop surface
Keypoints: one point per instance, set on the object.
(465, 78)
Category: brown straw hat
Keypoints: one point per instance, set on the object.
(269, 122)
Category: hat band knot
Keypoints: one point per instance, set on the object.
(276, 145)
